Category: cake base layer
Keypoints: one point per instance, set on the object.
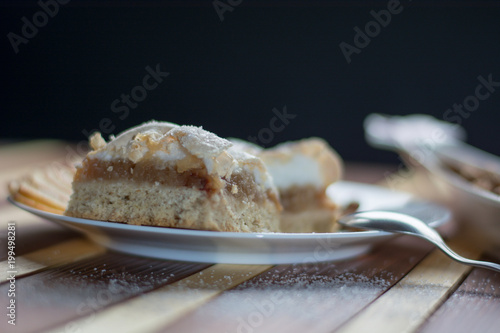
(154, 204)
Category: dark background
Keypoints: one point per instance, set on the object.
(228, 75)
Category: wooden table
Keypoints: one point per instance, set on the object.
(65, 283)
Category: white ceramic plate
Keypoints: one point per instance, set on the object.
(255, 248)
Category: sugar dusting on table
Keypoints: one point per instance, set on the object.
(304, 294)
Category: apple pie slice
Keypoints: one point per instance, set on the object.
(163, 174)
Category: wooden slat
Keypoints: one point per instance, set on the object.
(58, 254)
(56, 296)
(151, 311)
(15, 155)
(412, 300)
(474, 307)
(357, 172)
(306, 298)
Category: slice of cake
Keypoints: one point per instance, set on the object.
(162, 174)
(302, 170)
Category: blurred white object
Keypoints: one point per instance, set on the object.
(426, 143)
(405, 132)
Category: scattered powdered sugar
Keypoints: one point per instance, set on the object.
(89, 288)
(478, 297)
(279, 295)
(200, 142)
